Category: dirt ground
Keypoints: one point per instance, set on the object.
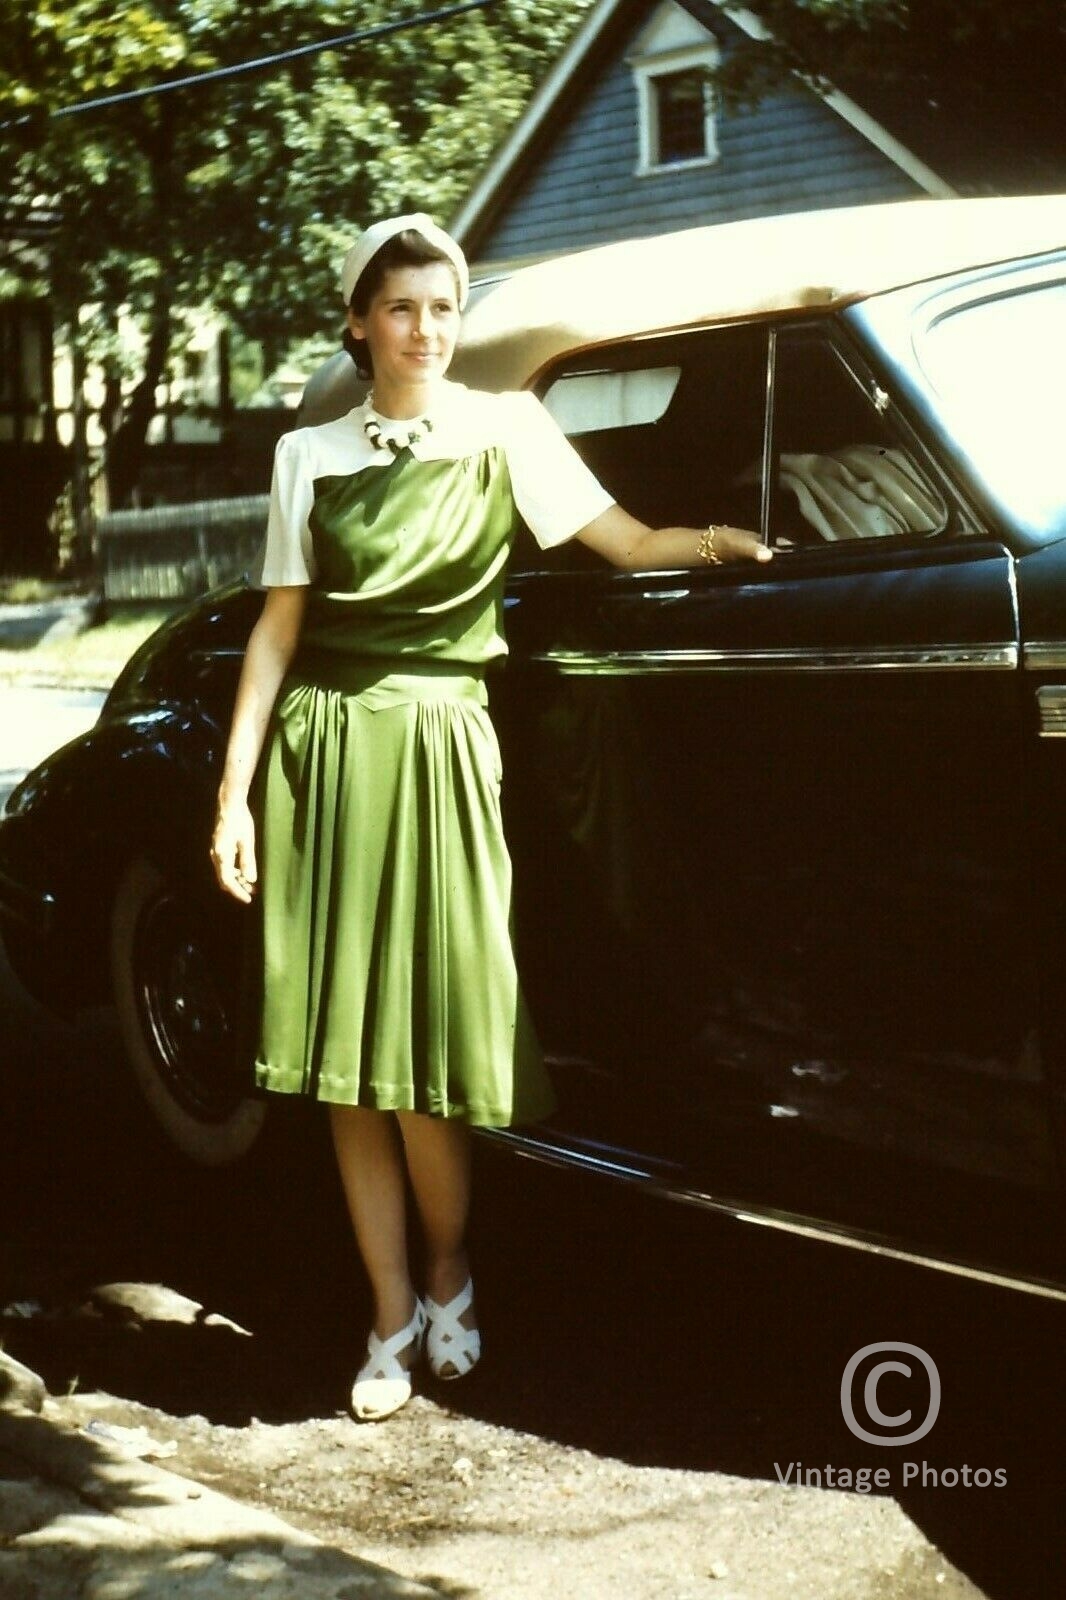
(446, 1493)
(474, 1509)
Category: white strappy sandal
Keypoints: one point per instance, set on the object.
(382, 1384)
(452, 1350)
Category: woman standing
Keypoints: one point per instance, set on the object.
(361, 781)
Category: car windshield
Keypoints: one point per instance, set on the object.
(994, 364)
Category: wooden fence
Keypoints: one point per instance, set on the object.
(178, 552)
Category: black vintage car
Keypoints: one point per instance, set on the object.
(790, 841)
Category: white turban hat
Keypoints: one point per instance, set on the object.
(369, 243)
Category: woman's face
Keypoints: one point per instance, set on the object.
(411, 326)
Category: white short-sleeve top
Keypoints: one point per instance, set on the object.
(555, 493)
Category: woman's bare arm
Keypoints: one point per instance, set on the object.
(625, 542)
(271, 646)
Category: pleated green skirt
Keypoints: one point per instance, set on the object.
(389, 976)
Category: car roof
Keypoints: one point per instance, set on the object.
(813, 260)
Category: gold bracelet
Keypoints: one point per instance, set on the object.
(705, 549)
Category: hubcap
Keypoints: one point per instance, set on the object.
(186, 990)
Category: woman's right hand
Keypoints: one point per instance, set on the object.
(271, 646)
(233, 851)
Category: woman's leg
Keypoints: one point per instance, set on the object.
(370, 1159)
(438, 1160)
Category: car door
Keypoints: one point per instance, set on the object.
(767, 821)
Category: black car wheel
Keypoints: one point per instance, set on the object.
(176, 984)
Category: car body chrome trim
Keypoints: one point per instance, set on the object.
(1051, 708)
(219, 652)
(1045, 655)
(907, 658)
(625, 1166)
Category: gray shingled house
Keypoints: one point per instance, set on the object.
(624, 138)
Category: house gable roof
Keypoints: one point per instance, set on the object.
(598, 34)
(670, 27)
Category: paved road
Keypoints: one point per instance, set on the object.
(34, 722)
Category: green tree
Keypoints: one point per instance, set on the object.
(241, 193)
(976, 49)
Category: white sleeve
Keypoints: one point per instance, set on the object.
(286, 555)
(556, 494)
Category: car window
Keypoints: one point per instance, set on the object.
(670, 426)
(844, 471)
(996, 365)
(588, 402)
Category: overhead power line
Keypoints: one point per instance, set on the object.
(263, 63)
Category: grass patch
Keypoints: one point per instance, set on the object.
(31, 591)
(92, 658)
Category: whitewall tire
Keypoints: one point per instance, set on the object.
(176, 986)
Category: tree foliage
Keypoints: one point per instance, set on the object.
(972, 47)
(975, 86)
(52, 50)
(243, 193)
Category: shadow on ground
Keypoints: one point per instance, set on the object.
(616, 1323)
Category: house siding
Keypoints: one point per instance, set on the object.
(791, 153)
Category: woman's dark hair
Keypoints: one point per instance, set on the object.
(407, 249)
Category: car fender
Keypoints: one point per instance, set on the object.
(140, 784)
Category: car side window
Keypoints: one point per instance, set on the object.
(671, 427)
(844, 470)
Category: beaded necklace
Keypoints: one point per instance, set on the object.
(399, 436)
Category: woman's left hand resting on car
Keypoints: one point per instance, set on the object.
(626, 542)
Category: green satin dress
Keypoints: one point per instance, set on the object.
(388, 969)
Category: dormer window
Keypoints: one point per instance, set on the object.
(675, 103)
(681, 108)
